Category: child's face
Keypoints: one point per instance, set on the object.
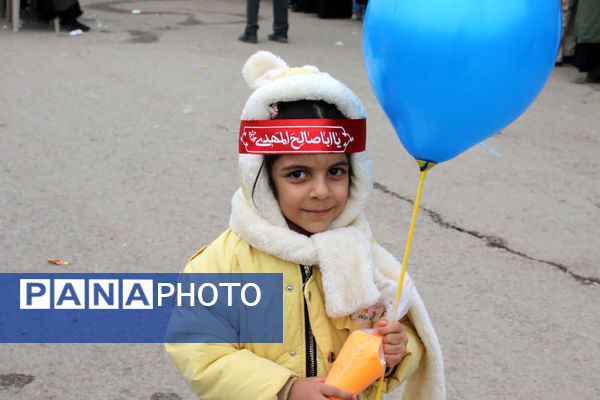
(312, 189)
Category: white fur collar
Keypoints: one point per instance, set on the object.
(346, 257)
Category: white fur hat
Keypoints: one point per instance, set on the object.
(274, 81)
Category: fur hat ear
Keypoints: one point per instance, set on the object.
(263, 67)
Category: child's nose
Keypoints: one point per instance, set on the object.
(319, 188)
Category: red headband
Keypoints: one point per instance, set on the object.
(300, 136)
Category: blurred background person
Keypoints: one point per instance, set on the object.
(67, 12)
(358, 9)
(280, 22)
(567, 42)
(306, 6)
(335, 8)
(587, 31)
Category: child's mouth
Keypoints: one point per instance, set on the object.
(318, 213)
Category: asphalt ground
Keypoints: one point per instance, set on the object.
(118, 152)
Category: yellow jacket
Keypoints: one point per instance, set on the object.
(256, 371)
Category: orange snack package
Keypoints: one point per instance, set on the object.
(359, 363)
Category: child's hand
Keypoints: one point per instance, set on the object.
(316, 389)
(394, 341)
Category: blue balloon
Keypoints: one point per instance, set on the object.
(451, 73)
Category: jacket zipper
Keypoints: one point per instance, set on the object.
(311, 344)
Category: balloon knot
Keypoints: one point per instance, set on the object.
(425, 165)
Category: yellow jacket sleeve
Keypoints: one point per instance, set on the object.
(225, 371)
(220, 371)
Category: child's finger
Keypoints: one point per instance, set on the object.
(329, 390)
(393, 349)
(395, 338)
(377, 328)
(394, 327)
(392, 361)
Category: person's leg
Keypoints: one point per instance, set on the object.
(249, 34)
(593, 74)
(280, 18)
(358, 10)
(297, 5)
(568, 42)
(68, 12)
(565, 21)
(252, 16)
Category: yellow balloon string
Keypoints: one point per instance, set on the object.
(405, 260)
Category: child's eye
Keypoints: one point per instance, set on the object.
(297, 174)
(337, 171)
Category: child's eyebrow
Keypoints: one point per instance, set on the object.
(295, 166)
(298, 166)
(339, 164)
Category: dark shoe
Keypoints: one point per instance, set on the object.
(593, 76)
(244, 37)
(278, 38)
(74, 25)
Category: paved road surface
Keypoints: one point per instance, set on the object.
(118, 155)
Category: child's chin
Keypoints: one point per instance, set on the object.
(316, 228)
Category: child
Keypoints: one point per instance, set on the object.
(299, 212)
